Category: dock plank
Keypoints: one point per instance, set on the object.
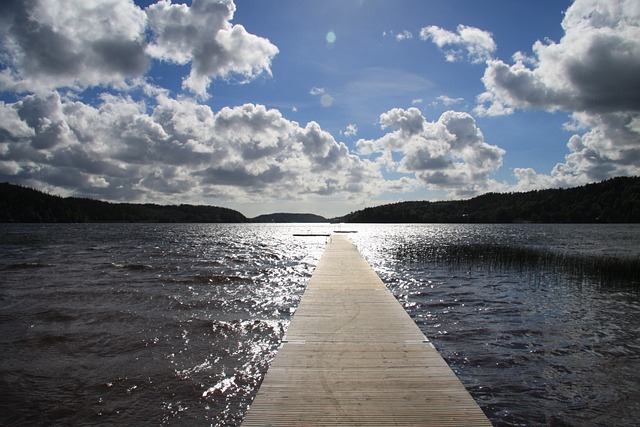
(352, 356)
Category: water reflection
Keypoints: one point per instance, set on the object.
(143, 324)
(176, 324)
(533, 346)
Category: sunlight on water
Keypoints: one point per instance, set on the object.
(535, 345)
(144, 324)
(147, 324)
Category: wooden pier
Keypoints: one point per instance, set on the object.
(352, 356)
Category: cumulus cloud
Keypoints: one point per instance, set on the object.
(610, 147)
(593, 68)
(447, 154)
(155, 147)
(52, 44)
(127, 150)
(202, 34)
(470, 43)
(592, 72)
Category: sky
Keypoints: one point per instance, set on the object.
(316, 106)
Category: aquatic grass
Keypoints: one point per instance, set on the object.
(604, 271)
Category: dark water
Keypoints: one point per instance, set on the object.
(142, 324)
(117, 324)
(533, 347)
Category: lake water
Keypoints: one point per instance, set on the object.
(153, 324)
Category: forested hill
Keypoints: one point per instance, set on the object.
(21, 204)
(613, 201)
(289, 217)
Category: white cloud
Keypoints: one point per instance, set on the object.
(593, 73)
(179, 151)
(610, 148)
(401, 36)
(474, 44)
(404, 35)
(12, 127)
(447, 101)
(71, 43)
(351, 130)
(317, 91)
(593, 68)
(52, 44)
(202, 34)
(447, 154)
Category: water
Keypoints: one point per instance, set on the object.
(533, 347)
(130, 324)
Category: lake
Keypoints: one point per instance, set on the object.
(165, 324)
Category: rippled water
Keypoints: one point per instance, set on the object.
(121, 324)
(143, 324)
(533, 347)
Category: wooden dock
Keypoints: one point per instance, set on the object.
(352, 356)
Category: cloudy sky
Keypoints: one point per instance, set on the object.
(316, 106)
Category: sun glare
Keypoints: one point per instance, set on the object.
(331, 37)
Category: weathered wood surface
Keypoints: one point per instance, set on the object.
(352, 356)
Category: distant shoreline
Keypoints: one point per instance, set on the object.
(614, 201)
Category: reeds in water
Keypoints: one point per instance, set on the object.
(602, 270)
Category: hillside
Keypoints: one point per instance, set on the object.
(21, 204)
(289, 217)
(613, 201)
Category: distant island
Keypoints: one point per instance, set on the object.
(616, 200)
(289, 217)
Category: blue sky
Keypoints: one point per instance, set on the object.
(316, 106)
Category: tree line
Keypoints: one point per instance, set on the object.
(616, 200)
(22, 204)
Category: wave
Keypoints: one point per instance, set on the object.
(26, 266)
(133, 267)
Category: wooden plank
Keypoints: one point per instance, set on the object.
(352, 356)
